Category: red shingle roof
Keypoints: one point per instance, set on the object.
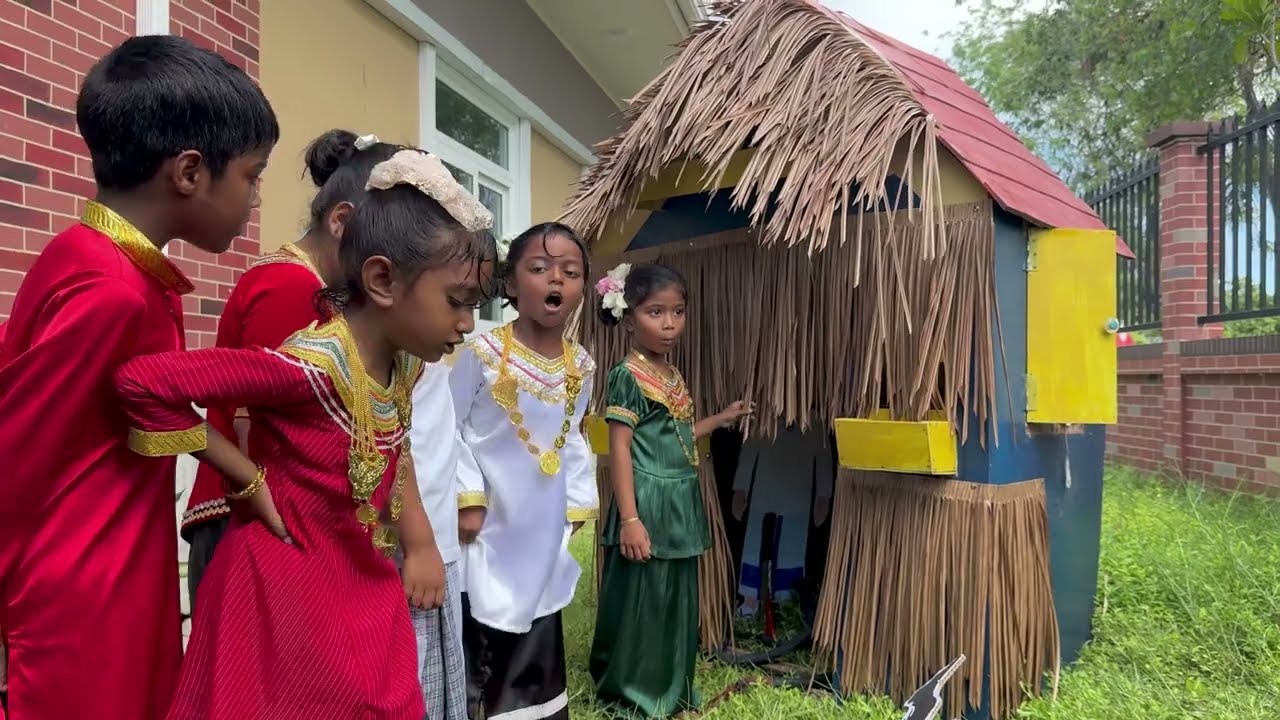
(1018, 180)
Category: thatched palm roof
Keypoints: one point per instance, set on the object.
(820, 106)
(804, 85)
(813, 99)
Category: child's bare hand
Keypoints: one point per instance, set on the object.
(635, 542)
(736, 411)
(470, 520)
(423, 576)
(261, 506)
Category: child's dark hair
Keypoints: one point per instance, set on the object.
(409, 228)
(340, 170)
(155, 96)
(531, 237)
(642, 282)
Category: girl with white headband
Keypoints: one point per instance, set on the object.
(302, 614)
(273, 299)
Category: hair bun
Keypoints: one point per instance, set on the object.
(327, 153)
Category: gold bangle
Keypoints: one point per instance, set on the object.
(628, 521)
(251, 488)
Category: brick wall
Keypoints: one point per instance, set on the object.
(1137, 438)
(1230, 412)
(46, 46)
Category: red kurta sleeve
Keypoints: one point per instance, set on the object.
(157, 392)
(82, 334)
(281, 304)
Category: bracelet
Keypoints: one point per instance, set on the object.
(628, 521)
(251, 488)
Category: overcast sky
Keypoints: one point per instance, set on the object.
(920, 23)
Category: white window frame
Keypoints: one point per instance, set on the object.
(516, 178)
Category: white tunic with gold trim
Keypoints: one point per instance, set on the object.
(519, 568)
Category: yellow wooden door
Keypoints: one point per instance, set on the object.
(1071, 325)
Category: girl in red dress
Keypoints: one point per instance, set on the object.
(275, 298)
(302, 615)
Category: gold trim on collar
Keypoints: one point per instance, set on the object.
(291, 254)
(141, 251)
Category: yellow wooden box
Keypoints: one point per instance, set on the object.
(927, 447)
(1071, 326)
(597, 431)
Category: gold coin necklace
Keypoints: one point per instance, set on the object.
(505, 393)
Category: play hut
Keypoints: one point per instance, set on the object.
(874, 256)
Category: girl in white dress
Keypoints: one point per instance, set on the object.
(527, 480)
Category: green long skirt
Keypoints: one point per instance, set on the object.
(646, 643)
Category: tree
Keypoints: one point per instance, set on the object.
(1254, 24)
(1084, 81)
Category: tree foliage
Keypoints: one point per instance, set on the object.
(1084, 81)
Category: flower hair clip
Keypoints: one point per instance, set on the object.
(611, 290)
(428, 174)
(504, 246)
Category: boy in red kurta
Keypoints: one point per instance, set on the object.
(88, 564)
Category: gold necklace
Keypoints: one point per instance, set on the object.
(681, 415)
(387, 537)
(366, 464)
(505, 393)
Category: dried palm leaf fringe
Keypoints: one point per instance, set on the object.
(922, 570)
(799, 335)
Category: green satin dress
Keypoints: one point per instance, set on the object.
(646, 641)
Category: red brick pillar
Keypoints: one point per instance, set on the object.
(1184, 265)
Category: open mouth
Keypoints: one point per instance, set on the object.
(553, 301)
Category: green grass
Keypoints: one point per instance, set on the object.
(1187, 625)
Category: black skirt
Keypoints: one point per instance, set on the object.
(510, 672)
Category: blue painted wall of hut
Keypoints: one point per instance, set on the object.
(1071, 465)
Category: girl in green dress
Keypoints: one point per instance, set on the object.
(646, 640)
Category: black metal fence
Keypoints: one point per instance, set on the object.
(1242, 194)
(1130, 205)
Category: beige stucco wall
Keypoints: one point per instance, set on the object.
(553, 177)
(959, 186)
(327, 64)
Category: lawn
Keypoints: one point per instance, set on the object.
(1187, 626)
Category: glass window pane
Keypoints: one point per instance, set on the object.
(463, 177)
(492, 199)
(461, 120)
